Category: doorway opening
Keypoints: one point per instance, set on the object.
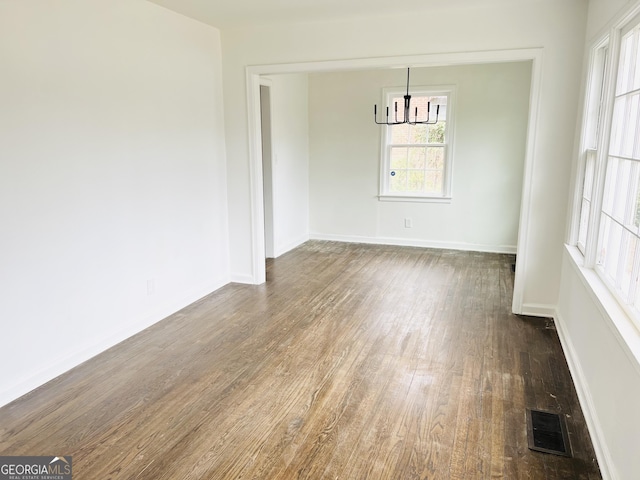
(267, 167)
(255, 73)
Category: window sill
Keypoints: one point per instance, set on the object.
(413, 198)
(622, 325)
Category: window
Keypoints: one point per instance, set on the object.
(591, 139)
(618, 255)
(416, 159)
(608, 226)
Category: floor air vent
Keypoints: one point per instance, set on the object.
(547, 432)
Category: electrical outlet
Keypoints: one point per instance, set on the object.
(408, 223)
(151, 287)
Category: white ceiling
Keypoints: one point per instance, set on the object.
(236, 13)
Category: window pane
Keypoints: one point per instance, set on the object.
(399, 157)
(585, 208)
(595, 98)
(418, 133)
(625, 71)
(398, 181)
(434, 182)
(636, 80)
(416, 181)
(631, 214)
(617, 130)
(437, 132)
(612, 258)
(630, 126)
(629, 245)
(636, 200)
(417, 157)
(634, 138)
(635, 285)
(399, 134)
(589, 168)
(612, 251)
(609, 186)
(621, 190)
(584, 221)
(435, 158)
(605, 224)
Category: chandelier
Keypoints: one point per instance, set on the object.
(407, 108)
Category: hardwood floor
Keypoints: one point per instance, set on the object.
(352, 362)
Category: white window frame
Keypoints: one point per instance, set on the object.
(418, 91)
(593, 145)
(600, 110)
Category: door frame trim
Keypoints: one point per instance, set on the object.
(253, 79)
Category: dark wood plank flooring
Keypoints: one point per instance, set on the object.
(352, 362)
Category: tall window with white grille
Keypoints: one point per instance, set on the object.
(416, 159)
(608, 226)
(618, 252)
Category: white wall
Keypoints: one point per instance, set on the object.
(604, 369)
(112, 177)
(490, 116)
(557, 27)
(290, 162)
(601, 12)
(601, 344)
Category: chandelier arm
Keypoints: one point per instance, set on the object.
(427, 121)
(375, 118)
(387, 122)
(407, 111)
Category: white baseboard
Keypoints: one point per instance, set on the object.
(287, 247)
(605, 461)
(242, 278)
(86, 352)
(538, 310)
(412, 242)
